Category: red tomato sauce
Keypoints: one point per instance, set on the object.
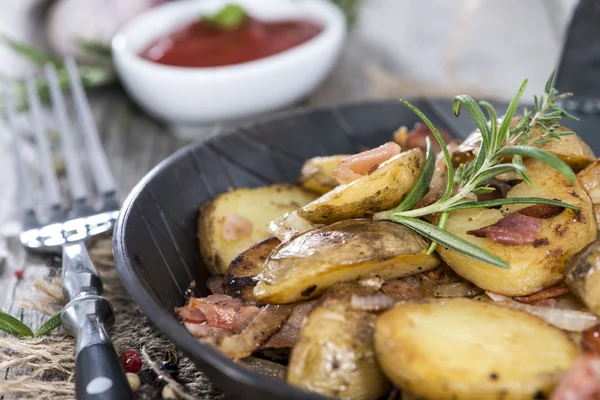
(200, 44)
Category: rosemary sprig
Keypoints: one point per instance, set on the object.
(497, 141)
(14, 327)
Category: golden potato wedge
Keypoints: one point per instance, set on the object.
(463, 349)
(314, 261)
(382, 190)
(533, 267)
(317, 173)
(582, 275)
(590, 178)
(259, 206)
(239, 280)
(570, 148)
(335, 355)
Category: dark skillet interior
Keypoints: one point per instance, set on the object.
(155, 238)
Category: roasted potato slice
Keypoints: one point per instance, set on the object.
(382, 190)
(317, 173)
(570, 148)
(314, 261)
(259, 206)
(335, 356)
(239, 280)
(462, 349)
(582, 275)
(533, 267)
(590, 178)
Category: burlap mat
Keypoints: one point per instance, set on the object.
(46, 365)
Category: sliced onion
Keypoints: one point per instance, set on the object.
(372, 302)
(569, 320)
(289, 225)
(267, 322)
(374, 282)
(265, 367)
(456, 289)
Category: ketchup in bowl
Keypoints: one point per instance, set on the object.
(202, 44)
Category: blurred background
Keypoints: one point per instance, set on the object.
(432, 47)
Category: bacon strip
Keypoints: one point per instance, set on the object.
(581, 382)
(217, 311)
(416, 137)
(353, 167)
(513, 229)
(544, 294)
(541, 211)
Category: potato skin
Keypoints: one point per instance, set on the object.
(462, 349)
(311, 263)
(382, 190)
(335, 354)
(582, 275)
(317, 173)
(533, 267)
(570, 148)
(239, 280)
(259, 205)
(590, 179)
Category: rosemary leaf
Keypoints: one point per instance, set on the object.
(31, 53)
(510, 200)
(442, 143)
(548, 86)
(496, 170)
(510, 113)
(442, 225)
(13, 326)
(493, 120)
(422, 186)
(542, 155)
(477, 114)
(517, 159)
(451, 241)
(49, 325)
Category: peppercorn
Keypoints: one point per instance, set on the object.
(131, 361)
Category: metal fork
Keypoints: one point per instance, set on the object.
(98, 373)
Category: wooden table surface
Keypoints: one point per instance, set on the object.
(416, 41)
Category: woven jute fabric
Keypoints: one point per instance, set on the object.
(46, 365)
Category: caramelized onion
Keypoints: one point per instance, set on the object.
(456, 289)
(265, 367)
(371, 302)
(568, 320)
(268, 321)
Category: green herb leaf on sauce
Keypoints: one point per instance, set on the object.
(228, 18)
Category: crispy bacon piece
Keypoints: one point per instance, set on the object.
(218, 311)
(581, 382)
(591, 340)
(541, 211)
(416, 137)
(353, 167)
(513, 229)
(235, 227)
(544, 294)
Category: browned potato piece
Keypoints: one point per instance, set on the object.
(533, 267)
(463, 349)
(317, 173)
(583, 276)
(335, 356)
(571, 148)
(590, 178)
(311, 263)
(259, 206)
(239, 279)
(382, 190)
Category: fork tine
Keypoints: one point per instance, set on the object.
(71, 158)
(97, 158)
(27, 210)
(51, 187)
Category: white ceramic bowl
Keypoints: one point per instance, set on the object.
(200, 96)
